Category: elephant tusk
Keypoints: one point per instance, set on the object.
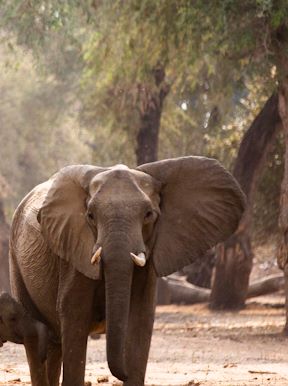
(139, 259)
(97, 256)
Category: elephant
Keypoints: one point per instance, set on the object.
(87, 247)
(17, 326)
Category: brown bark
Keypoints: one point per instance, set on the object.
(283, 217)
(150, 110)
(234, 257)
(280, 44)
(176, 290)
(265, 286)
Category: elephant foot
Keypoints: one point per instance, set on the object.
(133, 383)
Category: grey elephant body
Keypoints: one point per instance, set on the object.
(170, 212)
(40, 277)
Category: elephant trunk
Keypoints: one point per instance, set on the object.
(118, 270)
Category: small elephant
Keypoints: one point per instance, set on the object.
(18, 327)
(88, 244)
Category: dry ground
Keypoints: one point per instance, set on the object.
(194, 346)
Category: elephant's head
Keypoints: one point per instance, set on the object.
(166, 213)
(17, 326)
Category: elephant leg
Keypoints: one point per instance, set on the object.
(141, 319)
(54, 361)
(75, 306)
(37, 367)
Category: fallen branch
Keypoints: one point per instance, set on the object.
(176, 290)
(267, 285)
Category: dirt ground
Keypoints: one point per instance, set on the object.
(193, 346)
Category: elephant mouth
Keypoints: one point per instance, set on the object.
(139, 259)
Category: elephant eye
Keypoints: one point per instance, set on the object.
(148, 216)
(90, 216)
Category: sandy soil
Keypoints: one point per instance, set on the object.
(193, 346)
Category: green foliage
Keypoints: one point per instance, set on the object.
(212, 51)
(219, 59)
(37, 136)
(207, 49)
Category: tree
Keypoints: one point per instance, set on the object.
(206, 67)
(151, 107)
(157, 50)
(39, 131)
(234, 257)
(270, 29)
(282, 58)
(160, 49)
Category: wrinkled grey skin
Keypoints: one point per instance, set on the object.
(18, 327)
(172, 210)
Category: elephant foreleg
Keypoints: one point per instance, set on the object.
(141, 319)
(75, 304)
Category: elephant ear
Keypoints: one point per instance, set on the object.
(63, 218)
(201, 205)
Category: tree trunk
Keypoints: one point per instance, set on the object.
(147, 138)
(150, 110)
(266, 285)
(280, 43)
(282, 257)
(234, 257)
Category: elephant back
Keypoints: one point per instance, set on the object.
(25, 217)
